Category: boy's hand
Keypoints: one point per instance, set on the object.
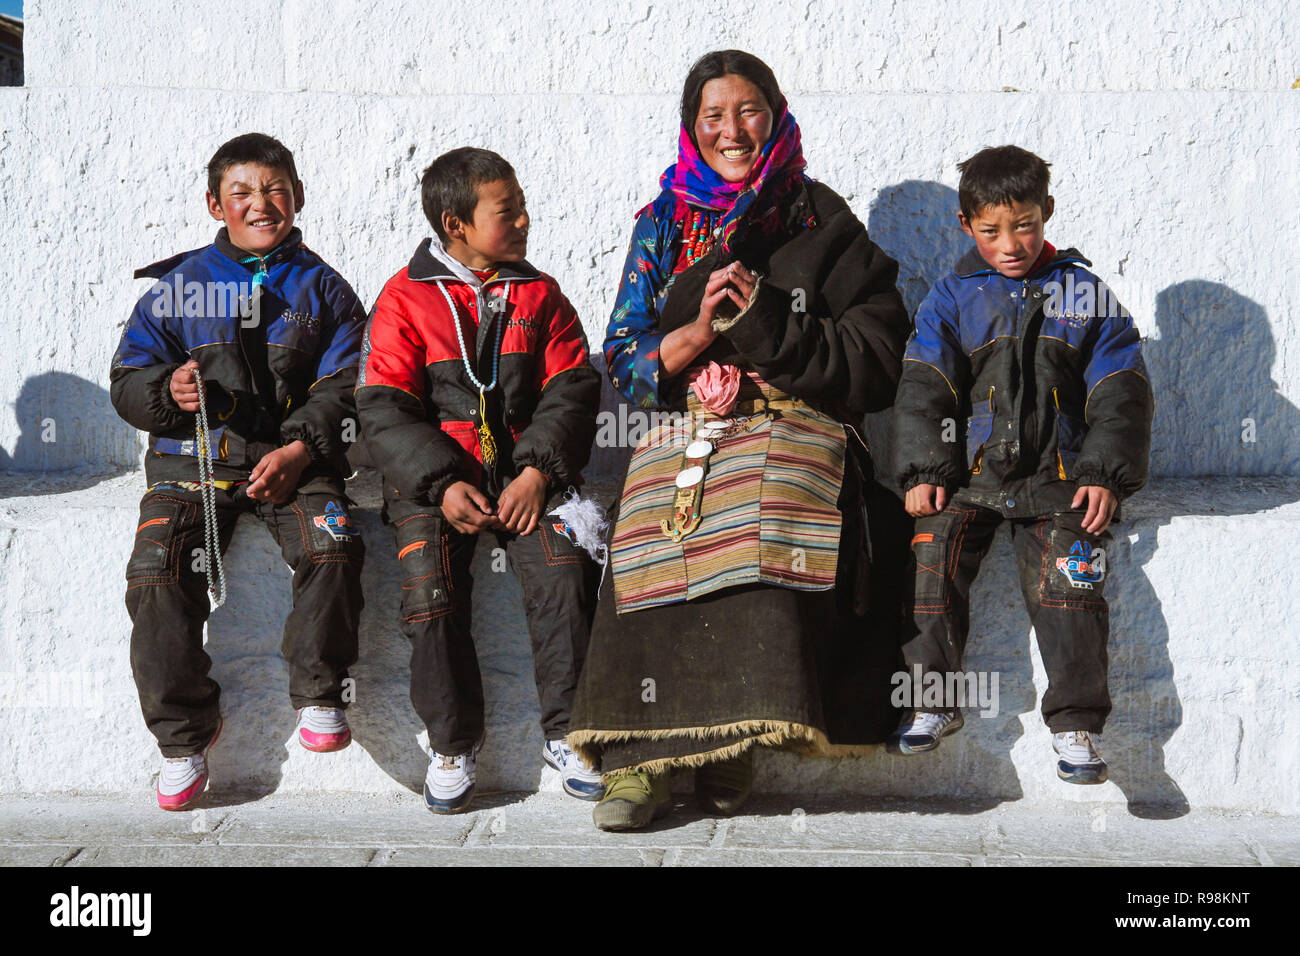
(184, 389)
(466, 508)
(275, 477)
(923, 500)
(1101, 503)
(520, 505)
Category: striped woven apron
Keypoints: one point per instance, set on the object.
(767, 514)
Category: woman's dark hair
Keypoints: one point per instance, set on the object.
(720, 63)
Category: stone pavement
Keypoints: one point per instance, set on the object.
(518, 829)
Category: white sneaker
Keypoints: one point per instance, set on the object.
(449, 784)
(924, 729)
(576, 776)
(1079, 760)
(182, 780)
(323, 729)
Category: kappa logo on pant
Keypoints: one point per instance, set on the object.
(563, 530)
(336, 522)
(1084, 567)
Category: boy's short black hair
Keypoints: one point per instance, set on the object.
(1000, 176)
(249, 148)
(720, 63)
(451, 182)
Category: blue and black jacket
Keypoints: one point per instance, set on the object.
(277, 340)
(1020, 390)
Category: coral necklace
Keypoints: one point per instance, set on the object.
(698, 237)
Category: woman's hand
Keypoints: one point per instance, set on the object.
(725, 294)
(733, 284)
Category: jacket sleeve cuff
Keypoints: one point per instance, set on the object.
(1101, 481)
(556, 472)
(910, 481)
(159, 402)
(320, 450)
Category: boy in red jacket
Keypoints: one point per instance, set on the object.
(478, 404)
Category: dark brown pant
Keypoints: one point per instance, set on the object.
(166, 596)
(558, 582)
(1062, 588)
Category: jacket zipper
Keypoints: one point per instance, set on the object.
(1060, 463)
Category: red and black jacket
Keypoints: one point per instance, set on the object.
(419, 411)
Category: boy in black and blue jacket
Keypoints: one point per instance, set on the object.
(259, 333)
(1031, 351)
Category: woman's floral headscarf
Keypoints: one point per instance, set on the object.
(692, 180)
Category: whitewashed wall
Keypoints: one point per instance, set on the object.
(1172, 130)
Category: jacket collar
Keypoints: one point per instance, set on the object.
(973, 264)
(280, 253)
(432, 263)
(223, 245)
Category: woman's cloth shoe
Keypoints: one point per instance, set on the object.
(1079, 760)
(578, 779)
(924, 729)
(722, 787)
(449, 784)
(182, 780)
(632, 800)
(323, 729)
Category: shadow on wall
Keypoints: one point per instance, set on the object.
(915, 222)
(68, 424)
(1218, 412)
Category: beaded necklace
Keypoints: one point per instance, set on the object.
(486, 442)
(698, 238)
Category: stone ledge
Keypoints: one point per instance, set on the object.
(1199, 575)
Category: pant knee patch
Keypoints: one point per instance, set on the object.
(329, 536)
(557, 547)
(936, 547)
(1075, 567)
(159, 541)
(423, 551)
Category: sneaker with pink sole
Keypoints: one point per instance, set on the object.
(182, 780)
(323, 729)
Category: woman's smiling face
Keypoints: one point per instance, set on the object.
(733, 123)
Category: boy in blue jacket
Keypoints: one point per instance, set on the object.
(1030, 350)
(255, 340)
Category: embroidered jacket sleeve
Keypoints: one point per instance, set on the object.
(632, 338)
(559, 436)
(841, 344)
(927, 445)
(319, 422)
(140, 378)
(1119, 404)
(417, 458)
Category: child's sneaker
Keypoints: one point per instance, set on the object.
(924, 729)
(579, 779)
(449, 784)
(1080, 762)
(323, 729)
(182, 780)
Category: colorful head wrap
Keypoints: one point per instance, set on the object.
(692, 180)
